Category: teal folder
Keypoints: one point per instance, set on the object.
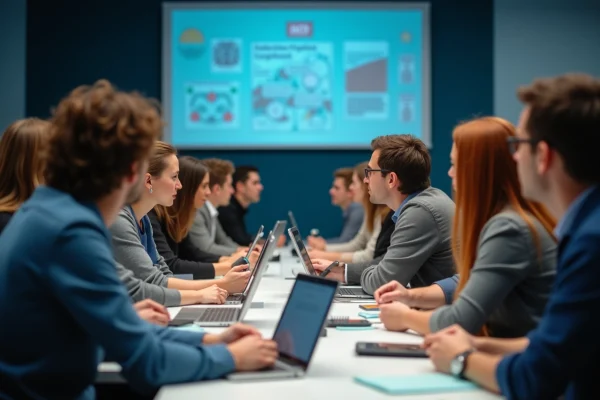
(415, 384)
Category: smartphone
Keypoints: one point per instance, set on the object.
(328, 269)
(346, 321)
(389, 349)
(369, 307)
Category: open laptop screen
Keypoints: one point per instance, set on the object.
(259, 234)
(303, 318)
(301, 250)
(292, 219)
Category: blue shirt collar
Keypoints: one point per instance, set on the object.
(566, 222)
(399, 210)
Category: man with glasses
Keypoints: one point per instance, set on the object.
(556, 153)
(420, 250)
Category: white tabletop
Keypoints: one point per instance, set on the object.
(334, 363)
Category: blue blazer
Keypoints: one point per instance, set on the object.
(563, 356)
(63, 308)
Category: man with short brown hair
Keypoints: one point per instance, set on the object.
(353, 212)
(207, 233)
(420, 250)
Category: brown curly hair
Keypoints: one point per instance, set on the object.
(98, 133)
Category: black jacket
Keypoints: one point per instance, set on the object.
(182, 257)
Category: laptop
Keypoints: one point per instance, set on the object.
(292, 219)
(238, 298)
(246, 258)
(347, 292)
(226, 316)
(298, 329)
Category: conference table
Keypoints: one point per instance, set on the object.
(334, 363)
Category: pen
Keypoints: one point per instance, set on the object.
(328, 269)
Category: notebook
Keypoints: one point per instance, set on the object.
(415, 384)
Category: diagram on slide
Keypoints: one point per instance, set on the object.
(291, 86)
(212, 105)
(366, 79)
(226, 55)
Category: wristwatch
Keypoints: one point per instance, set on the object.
(458, 365)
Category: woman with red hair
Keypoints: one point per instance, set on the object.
(503, 246)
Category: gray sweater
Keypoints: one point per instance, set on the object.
(139, 290)
(131, 254)
(200, 234)
(510, 282)
(420, 250)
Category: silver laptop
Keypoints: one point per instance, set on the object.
(238, 298)
(350, 292)
(225, 316)
(298, 330)
(292, 220)
(246, 259)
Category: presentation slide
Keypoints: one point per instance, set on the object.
(294, 75)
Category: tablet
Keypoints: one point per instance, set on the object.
(389, 349)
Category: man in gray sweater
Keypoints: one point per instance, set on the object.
(207, 234)
(420, 251)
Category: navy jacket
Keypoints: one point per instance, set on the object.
(563, 356)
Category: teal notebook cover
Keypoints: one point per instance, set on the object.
(415, 384)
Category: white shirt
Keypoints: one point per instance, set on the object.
(213, 216)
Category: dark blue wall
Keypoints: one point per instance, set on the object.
(72, 42)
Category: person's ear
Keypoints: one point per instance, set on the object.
(392, 179)
(545, 157)
(134, 173)
(148, 181)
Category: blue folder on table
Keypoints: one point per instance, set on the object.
(415, 384)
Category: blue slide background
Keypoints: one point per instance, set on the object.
(259, 25)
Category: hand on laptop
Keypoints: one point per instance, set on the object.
(392, 316)
(253, 259)
(236, 279)
(317, 242)
(212, 295)
(151, 311)
(317, 254)
(336, 273)
(252, 352)
(281, 241)
(392, 291)
(236, 332)
(234, 256)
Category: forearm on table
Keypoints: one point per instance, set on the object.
(426, 298)
(184, 284)
(481, 369)
(501, 346)
(417, 320)
(221, 268)
(189, 297)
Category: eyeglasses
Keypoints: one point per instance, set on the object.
(369, 170)
(514, 142)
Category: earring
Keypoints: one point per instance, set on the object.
(150, 190)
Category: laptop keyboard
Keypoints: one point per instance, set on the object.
(235, 297)
(223, 314)
(351, 291)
